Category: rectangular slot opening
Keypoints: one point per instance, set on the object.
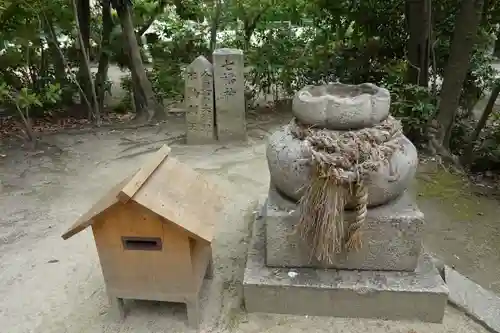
(142, 243)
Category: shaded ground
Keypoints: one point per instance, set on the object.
(463, 225)
(51, 285)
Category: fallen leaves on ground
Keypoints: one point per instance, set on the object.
(10, 126)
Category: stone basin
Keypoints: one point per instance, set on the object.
(340, 106)
(290, 169)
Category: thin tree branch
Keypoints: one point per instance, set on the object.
(95, 107)
(251, 25)
(469, 149)
(65, 63)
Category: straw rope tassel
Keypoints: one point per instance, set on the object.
(340, 163)
(354, 240)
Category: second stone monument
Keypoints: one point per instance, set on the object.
(229, 85)
(339, 230)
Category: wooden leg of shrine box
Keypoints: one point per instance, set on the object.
(189, 288)
(193, 312)
(193, 303)
(209, 274)
(117, 307)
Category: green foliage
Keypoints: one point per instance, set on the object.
(30, 79)
(414, 106)
(271, 72)
(179, 46)
(487, 153)
(287, 43)
(25, 99)
(479, 78)
(487, 149)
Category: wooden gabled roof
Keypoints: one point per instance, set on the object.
(168, 188)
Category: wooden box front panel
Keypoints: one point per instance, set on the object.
(141, 257)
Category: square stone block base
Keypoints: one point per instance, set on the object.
(420, 295)
(391, 236)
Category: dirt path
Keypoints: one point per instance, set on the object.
(51, 285)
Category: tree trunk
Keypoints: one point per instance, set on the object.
(250, 24)
(84, 21)
(467, 156)
(497, 45)
(102, 70)
(94, 106)
(83, 17)
(418, 21)
(138, 98)
(464, 38)
(214, 27)
(43, 71)
(28, 127)
(58, 62)
(137, 69)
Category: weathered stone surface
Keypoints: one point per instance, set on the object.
(392, 237)
(340, 106)
(289, 168)
(199, 100)
(229, 94)
(419, 295)
(478, 302)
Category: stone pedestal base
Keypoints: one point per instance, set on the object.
(419, 295)
(392, 237)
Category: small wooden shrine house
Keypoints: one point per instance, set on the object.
(153, 233)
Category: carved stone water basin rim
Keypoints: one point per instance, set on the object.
(340, 106)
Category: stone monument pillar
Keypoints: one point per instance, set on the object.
(339, 234)
(229, 84)
(199, 100)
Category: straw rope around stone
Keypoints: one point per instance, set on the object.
(341, 162)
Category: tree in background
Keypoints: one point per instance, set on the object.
(104, 52)
(418, 18)
(147, 107)
(464, 38)
(81, 9)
